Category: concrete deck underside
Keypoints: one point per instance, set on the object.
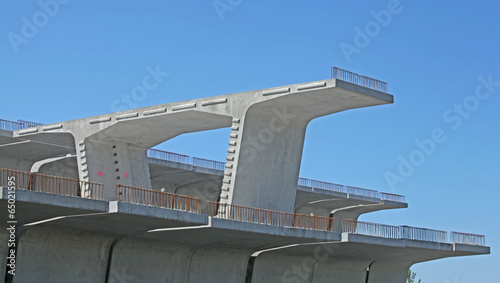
(68, 239)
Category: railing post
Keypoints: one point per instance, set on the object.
(403, 231)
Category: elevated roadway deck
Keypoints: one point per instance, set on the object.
(71, 236)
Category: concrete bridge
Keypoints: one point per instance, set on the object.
(266, 140)
(116, 211)
(69, 239)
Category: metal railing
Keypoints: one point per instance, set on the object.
(304, 182)
(220, 166)
(50, 184)
(76, 188)
(29, 124)
(338, 188)
(269, 217)
(10, 125)
(321, 185)
(328, 186)
(362, 192)
(186, 159)
(467, 239)
(423, 234)
(370, 229)
(210, 164)
(14, 126)
(157, 199)
(392, 197)
(169, 156)
(357, 79)
(401, 232)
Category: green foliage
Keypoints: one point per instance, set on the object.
(410, 278)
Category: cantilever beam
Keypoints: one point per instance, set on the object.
(266, 140)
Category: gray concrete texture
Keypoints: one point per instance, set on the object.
(265, 148)
(65, 239)
(205, 183)
(82, 240)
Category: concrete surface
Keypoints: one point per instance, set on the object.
(67, 239)
(265, 149)
(61, 255)
(266, 142)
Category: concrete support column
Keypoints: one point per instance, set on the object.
(263, 161)
(111, 163)
(214, 265)
(383, 271)
(320, 266)
(140, 260)
(335, 270)
(272, 268)
(60, 255)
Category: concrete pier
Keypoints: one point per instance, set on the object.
(248, 219)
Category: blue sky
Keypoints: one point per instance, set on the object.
(79, 59)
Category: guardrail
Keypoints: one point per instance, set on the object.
(362, 192)
(169, 156)
(157, 199)
(186, 159)
(339, 188)
(392, 197)
(467, 239)
(29, 124)
(14, 126)
(270, 217)
(304, 182)
(410, 233)
(423, 234)
(321, 185)
(328, 186)
(10, 125)
(358, 79)
(220, 166)
(50, 184)
(370, 229)
(210, 164)
(76, 188)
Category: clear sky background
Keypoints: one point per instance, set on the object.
(81, 58)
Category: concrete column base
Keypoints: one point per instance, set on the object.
(59, 255)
